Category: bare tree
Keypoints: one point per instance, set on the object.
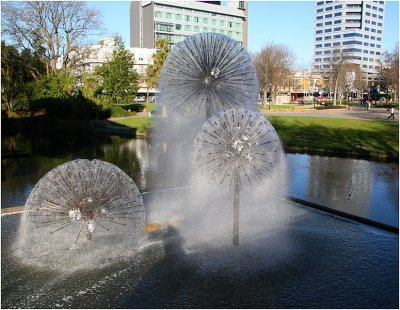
(390, 71)
(58, 29)
(274, 66)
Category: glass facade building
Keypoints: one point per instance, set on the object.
(173, 21)
(352, 29)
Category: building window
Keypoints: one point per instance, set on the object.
(320, 10)
(338, 21)
(380, 10)
(169, 16)
(188, 28)
(320, 3)
(178, 27)
(320, 17)
(338, 6)
(196, 29)
(368, 6)
(366, 43)
(222, 23)
(328, 15)
(328, 38)
(336, 43)
(188, 18)
(365, 51)
(320, 24)
(237, 25)
(318, 45)
(328, 30)
(374, 8)
(214, 22)
(337, 36)
(196, 19)
(372, 37)
(205, 21)
(318, 39)
(372, 45)
(164, 27)
(318, 31)
(366, 36)
(328, 23)
(337, 28)
(329, 8)
(379, 31)
(352, 42)
(372, 52)
(338, 14)
(230, 24)
(368, 13)
(327, 44)
(318, 52)
(178, 17)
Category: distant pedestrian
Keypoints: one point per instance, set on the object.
(369, 105)
(391, 113)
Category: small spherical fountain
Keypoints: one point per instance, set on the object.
(208, 71)
(78, 202)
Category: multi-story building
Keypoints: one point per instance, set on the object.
(352, 30)
(173, 20)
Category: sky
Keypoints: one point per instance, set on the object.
(282, 22)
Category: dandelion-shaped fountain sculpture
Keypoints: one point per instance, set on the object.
(85, 195)
(234, 145)
(208, 72)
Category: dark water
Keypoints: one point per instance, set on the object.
(311, 260)
(364, 188)
(307, 260)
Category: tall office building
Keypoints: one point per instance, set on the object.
(353, 28)
(174, 20)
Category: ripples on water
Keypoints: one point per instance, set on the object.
(312, 260)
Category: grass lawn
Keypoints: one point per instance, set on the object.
(338, 136)
(141, 123)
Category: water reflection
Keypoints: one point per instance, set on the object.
(361, 187)
(364, 188)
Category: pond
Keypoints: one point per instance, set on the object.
(301, 258)
(360, 187)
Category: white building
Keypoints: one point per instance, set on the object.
(174, 20)
(354, 28)
(100, 53)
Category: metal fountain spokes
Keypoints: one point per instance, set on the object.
(237, 143)
(210, 72)
(87, 195)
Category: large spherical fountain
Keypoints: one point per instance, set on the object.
(208, 72)
(81, 204)
(236, 144)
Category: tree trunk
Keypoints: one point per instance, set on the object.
(335, 90)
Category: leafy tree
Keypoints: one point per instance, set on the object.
(17, 69)
(153, 70)
(56, 30)
(119, 81)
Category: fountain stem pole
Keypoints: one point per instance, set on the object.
(236, 214)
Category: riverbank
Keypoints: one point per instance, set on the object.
(355, 133)
(338, 136)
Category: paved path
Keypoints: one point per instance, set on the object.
(357, 112)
